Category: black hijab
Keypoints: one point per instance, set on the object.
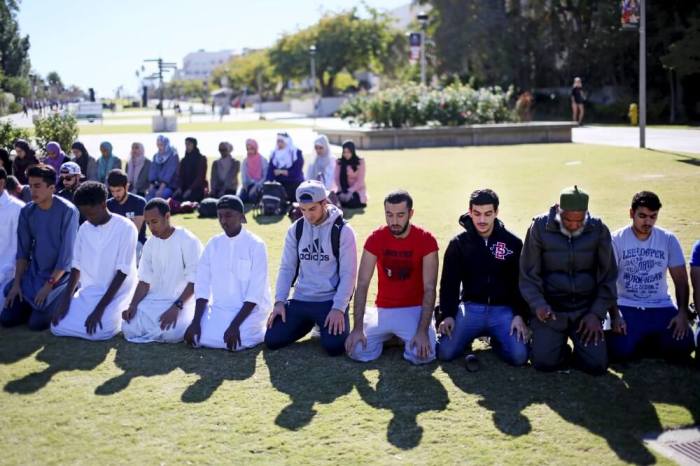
(84, 158)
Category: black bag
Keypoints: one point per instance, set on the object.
(274, 199)
(207, 208)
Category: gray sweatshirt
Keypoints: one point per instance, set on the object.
(318, 276)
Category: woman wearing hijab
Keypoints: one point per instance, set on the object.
(193, 173)
(54, 156)
(107, 162)
(323, 168)
(163, 172)
(286, 165)
(350, 178)
(25, 159)
(224, 172)
(86, 162)
(253, 172)
(137, 170)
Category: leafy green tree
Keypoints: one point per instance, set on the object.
(14, 49)
(60, 128)
(343, 42)
(252, 71)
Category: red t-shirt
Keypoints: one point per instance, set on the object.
(400, 265)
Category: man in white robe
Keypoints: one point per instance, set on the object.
(161, 308)
(232, 275)
(9, 213)
(104, 263)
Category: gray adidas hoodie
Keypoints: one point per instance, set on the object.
(317, 265)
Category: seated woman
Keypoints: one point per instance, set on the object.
(193, 173)
(253, 171)
(224, 172)
(286, 165)
(137, 170)
(107, 162)
(25, 159)
(350, 178)
(323, 168)
(86, 162)
(163, 172)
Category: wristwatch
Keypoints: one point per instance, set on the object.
(179, 304)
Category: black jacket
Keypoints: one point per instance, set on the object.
(568, 274)
(486, 270)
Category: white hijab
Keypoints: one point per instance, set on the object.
(323, 160)
(284, 158)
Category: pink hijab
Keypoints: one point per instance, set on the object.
(254, 162)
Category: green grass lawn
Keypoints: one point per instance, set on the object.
(69, 401)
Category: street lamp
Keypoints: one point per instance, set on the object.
(422, 18)
(312, 54)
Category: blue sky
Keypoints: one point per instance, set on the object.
(101, 44)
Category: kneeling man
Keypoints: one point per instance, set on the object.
(483, 262)
(406, 257)
(104, 263)
(161, 309)
(650, 324)
(232, 274)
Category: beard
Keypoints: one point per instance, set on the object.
(398, 232)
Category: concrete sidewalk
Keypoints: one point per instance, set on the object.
(670, 140)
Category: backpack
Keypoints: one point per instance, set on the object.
(274, 198)
(207, 208)
(336, 229)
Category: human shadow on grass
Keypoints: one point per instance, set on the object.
(18, 343)
(605, 405)
(407, 391)
(61, 355)
(152, 359)
(309, 376)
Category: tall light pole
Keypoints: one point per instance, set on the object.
(642, 73)
(312, 55)
(162, 66)
(422, 18)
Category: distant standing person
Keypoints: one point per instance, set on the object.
(137, 169)
(107, 162)
(578, 98)
(350, 178)
(224, 172)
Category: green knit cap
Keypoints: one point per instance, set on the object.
(573, 199)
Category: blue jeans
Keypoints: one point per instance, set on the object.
(167, 193)
(647, 335)
(301, 316)
(477, 320)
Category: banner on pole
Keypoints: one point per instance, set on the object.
(629, 14)
(414, 40)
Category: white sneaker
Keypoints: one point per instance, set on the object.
(315, 332)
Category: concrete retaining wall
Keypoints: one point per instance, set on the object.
(475, 135)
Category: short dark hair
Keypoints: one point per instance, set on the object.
(484, 197)
(90, 193)
(43, 171)
(3, 174)
(12, 183)
(158, 203)
(646, 199)
(399, 196)
(117, 178)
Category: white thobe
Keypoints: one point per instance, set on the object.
(231, 272)
(99, 253)
(9, 219)
(167, 265)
